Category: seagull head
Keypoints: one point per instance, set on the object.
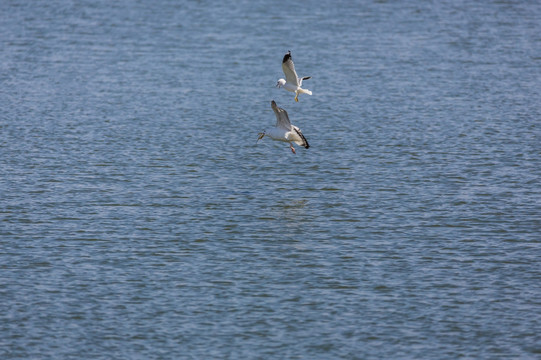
(280, 83)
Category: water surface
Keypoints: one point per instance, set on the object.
(139, 219)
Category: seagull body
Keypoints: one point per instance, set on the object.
(284, 130)
(292, 82)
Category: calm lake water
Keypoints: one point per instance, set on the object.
(139, 219)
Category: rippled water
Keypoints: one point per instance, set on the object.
(139, 219)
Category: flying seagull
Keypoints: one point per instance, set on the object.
(284, 130)
(292, 82)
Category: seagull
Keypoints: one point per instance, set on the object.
(284, 130)
(292, 83)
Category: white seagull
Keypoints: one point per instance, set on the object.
(284, 130)
(292, 82)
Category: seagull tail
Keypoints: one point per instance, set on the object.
(304, 91)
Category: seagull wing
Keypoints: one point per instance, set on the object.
(289, 70)
(304, 78)
(282, 119)
(302, 140)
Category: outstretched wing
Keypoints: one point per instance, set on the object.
(282, 120)
(289, 69)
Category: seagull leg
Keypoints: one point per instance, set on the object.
(296, 97)
(292, 149)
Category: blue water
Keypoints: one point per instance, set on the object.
(139, 219)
